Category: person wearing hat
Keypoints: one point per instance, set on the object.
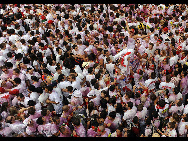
(77, 99)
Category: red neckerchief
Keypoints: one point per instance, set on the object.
(159, 107)
(44, 48)
(108, 82)
(182, 58)
(119, 135)
(99, 129)
(126, 88)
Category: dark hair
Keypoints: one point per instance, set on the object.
(17, 80)
(96, 86)
(148, 121)
(31, 110)
(16, 70)
(8, 64)
(97, 76)
(103, 114)
(172, 124)
(153, 75)
(90, 70)
(90, 106)
(4, 106)
(103, 103)
(179, 103)
(31, 88)
(130, 104)
(31, 103)
(119, 108)
(76, 121)
(161, 102)
(34, 78)
(135, 120)
(112, 87)
(26, 60)
(44, 112)
(60, 77)
(39, 90)
(112, 114)
(50, 88)
(168, 78)
(69, 88)
(153, 97)
(140, 107)
(40, 121)
(9, 54)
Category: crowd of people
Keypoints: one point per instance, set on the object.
(66, 70)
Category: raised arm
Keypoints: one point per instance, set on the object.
(127, 25)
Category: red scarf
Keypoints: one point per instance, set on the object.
(159, 107)
(122, 62)
(182, 58)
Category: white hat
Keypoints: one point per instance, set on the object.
(77, 93)
(91, 93)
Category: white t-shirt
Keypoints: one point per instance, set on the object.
(43, 97)
(172, 133)
(169, 86)
(173, 60)
(181, 128)
(129, 114)
(150, 83)
(2, 60)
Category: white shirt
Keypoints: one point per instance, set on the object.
(76, 85)
(168, 86)
(181, 128)
(130, 114)
(43, 97)
(150, 83)
(56, 98)
(173, 60)
(2, 60)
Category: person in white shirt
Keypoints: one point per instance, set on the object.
(150, 83)
(183, 125)
(20, 100)
(54, 99)
(170, 131)
(174, 58)
(130, 113)
(167, 84)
